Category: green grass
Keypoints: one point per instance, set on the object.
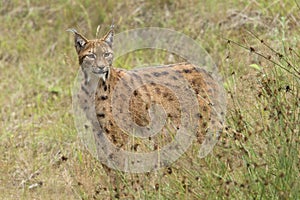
(258, 157)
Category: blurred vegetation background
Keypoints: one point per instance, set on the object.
(255, 45)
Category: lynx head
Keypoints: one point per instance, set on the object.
(96, 55)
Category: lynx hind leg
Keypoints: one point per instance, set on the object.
(216, 116)
(122, 183)
(211, 106)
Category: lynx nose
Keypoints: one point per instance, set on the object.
(99, 69)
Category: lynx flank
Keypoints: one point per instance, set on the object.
(96, 58)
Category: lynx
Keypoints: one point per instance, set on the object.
(96, 60)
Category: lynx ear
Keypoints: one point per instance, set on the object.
(79, 40)
(108, 38)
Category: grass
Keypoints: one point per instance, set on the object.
(258, 157)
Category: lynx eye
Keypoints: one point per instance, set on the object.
(92, 56)
(106, 54)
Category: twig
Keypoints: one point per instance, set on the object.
(274, 51)
(252, 50)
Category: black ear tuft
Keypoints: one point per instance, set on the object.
(108, 38)
(79, 40)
